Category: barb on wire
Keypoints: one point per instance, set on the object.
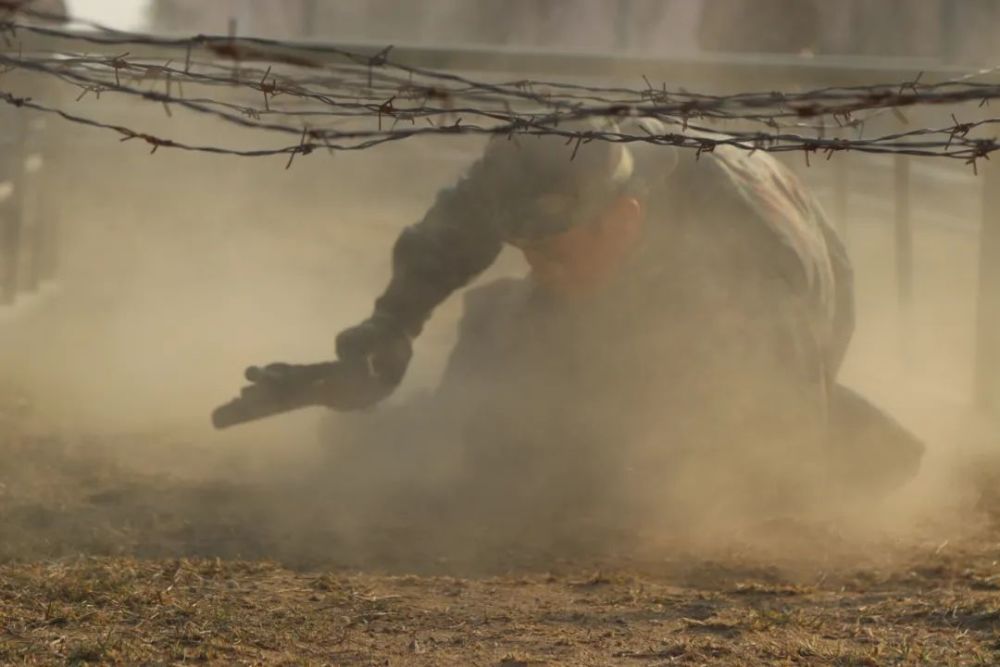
(324, 96)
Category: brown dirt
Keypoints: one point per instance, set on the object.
(128, 611)
(103, 564)
(106, 558)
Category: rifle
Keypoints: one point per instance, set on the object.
(278, 388)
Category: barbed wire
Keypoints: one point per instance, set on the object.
(325, 97)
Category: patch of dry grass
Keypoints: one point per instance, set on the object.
(101, 565)
(128, 611)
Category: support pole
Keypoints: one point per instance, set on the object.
(11, 154)
(903, 250)
(841, 194)
(987, 360)
(9, 242)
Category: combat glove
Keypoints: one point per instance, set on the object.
(380, 344)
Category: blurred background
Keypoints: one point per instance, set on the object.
(960, 31)
(136, 286)
(177, 270)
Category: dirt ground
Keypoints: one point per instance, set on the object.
(102, 563)
(126, 545)
(940, 610)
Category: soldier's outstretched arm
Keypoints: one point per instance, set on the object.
(516, 189)
(455, 241)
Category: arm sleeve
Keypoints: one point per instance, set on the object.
(457, 239)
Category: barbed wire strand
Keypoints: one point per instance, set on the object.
(327, 95)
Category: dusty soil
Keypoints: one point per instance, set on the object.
(101, 563)
(112, 552)
(129, 611)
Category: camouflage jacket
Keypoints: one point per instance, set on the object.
(726, 231)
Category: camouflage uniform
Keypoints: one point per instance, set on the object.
(732, 317)
(716, 221)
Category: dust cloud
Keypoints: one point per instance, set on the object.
(179, 270)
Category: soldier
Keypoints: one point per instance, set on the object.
(695, 304)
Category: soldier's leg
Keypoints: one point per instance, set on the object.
(871, 453)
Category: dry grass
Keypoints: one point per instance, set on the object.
(102, 565)
(128, 611)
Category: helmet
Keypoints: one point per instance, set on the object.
(544, 184)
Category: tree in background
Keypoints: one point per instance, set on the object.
(47, 6)
(952, 30)
(260, 18)
(175, 15)
(759, 26)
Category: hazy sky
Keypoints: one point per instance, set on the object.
(120, 14)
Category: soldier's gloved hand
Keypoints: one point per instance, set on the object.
(381, 344)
